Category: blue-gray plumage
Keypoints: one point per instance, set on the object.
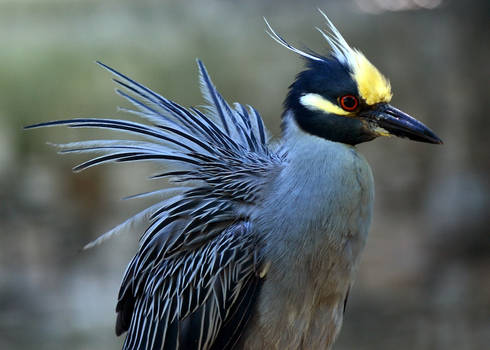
(257, 245)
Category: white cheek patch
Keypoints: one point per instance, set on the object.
(315, 102)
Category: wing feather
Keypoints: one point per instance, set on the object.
(192, 283)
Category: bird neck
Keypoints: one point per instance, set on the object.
(322, 186)
(309, 154)
(294, 131)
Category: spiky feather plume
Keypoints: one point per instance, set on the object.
(195, 274)
(372, 85)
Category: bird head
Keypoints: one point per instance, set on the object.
(344, 98)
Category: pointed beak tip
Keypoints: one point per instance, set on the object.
(434, 139)
(400, 124)
(430, 140)
(434, 142)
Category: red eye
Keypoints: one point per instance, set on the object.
(349, 102)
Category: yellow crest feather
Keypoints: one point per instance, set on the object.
(372, 85)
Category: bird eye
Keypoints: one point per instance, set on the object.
(349, 102)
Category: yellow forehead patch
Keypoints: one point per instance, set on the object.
(373, 86)
(315, 102)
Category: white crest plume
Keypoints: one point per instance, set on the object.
(288, 46)
(340, 48)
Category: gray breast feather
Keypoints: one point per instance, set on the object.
(316, 219)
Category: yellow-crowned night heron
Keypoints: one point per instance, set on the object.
(259, 247)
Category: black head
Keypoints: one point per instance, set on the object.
(344, 98)
(331, 81)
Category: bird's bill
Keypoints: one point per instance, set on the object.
(392, 121)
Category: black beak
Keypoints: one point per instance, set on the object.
(400, 124)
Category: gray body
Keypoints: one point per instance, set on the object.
(315, 218)
(259, 247)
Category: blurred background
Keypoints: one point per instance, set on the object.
(424, 281)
